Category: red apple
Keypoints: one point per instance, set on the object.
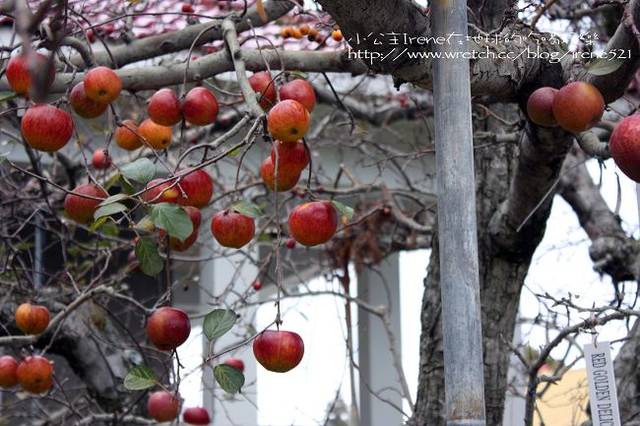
(8, 371)
(578, 106)
(164, 108)
(232, 229)
(80, 208)
(82, 105)
(263, 84)
(35, 374)
(288, 121)
(257, 285)
(301, 91)
(286, 179)
(236, 363)
(313, 223)
(540, 107)
(196, 218)
(102, 84)
(101, 159)
(196, 416)
(156, 135)
(187, 8)
(19, 76)
(158, 192)
(292, 156)
(168, 328)
(198, 188)
(163, 406)
(278, 351)
(32, 319)
(126, 136)
(291, 243)
(46, 128)
(624, 145)
(200, 106)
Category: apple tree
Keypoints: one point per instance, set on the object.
(128, 149)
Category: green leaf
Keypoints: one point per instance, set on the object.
(147, 253)
(218, 322)
(142, 170)
(230, 379)
(173, 219)
(7, 96)
(110, 209)
(343, 209)
(247, 208)
(98, 223)
(112, 181)
(140, 377)
(110, 228)
(145, 224)
(114, 199)
(126, 185)
(604, 66)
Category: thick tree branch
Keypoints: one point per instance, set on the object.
(153, 77)
(162, 44)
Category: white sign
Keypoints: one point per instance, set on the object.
(602, 385)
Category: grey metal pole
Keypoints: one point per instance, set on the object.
(459, 277)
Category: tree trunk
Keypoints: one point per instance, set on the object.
(502, 273)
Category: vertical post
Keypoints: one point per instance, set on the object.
(377, 376)
(459, 278)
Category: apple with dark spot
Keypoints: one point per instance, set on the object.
(102, 84)
(157, 136)
(288, 121)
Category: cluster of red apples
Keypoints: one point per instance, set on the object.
(168, 328)
(49, 128)
(34, 373)
(578, 107)
(288, 120)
